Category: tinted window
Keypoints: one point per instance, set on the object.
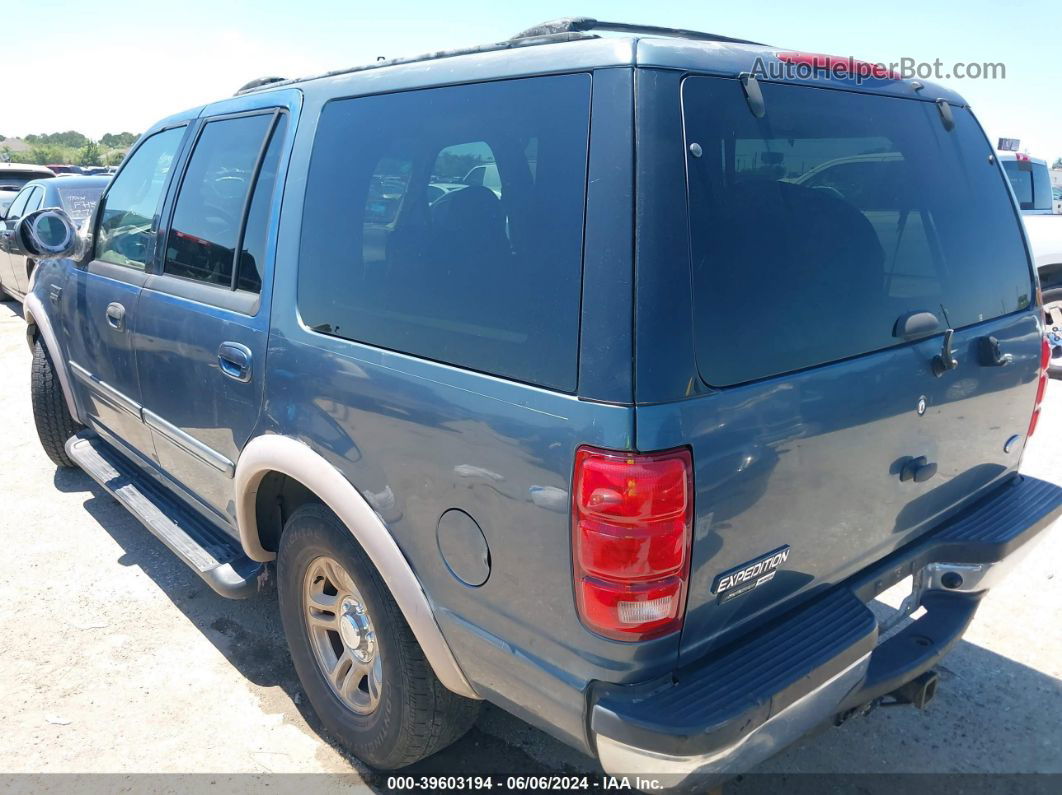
(256, 230)
(35, 201)
(18, 206)
(129, 218)
(1031, 182)
(79, 202)
(434, 226)
(816, 227)
(209, 212)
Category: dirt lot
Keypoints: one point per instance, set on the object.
(115, 658)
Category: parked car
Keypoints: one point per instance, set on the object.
(74, 194)
(1056, 195)
(626, 450)
(14, 175)
(61, 169)
(1031, 182)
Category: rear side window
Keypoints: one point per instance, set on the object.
(447, 223)
(209, 213)
(129, 218)
(815, 228)
(18, 206)
(1031, 182)
(79, 202)
(36, 199)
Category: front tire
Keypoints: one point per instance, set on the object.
(50, 414)
(359, 663)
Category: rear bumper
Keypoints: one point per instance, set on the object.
(751, 699)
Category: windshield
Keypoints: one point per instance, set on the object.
(817, 227)
(13, 180)
(1031, 182)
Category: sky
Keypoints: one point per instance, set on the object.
(121, 65)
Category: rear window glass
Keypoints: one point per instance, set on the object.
(1031, 182)
(447, 223)
(79, 202)
(815, 228)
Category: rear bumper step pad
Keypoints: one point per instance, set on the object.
(747, 700)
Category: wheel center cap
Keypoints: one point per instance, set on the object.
(349, 631)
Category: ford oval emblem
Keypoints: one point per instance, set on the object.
(921, 405)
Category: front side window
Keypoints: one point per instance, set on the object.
(815, 228)
(209, 211)
(447, 223)
(129, 219)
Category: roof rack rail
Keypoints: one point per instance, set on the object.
(508, 44)
(586, 24)
(259, 81)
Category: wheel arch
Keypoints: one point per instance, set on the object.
(39, 326)
(267, 458)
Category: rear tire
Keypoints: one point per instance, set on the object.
(50, 414)
(371, 686)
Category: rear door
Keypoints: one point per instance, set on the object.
(833, 242)
(203, 321)
(100, 299)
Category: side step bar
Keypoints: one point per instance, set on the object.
(207, 550)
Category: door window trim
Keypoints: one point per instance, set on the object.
(123, 273)
(218, 295)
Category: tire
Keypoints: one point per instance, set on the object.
(414, 715)
(50, 414)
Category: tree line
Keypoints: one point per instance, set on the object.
(71, 147)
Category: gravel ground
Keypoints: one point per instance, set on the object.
(116, 658)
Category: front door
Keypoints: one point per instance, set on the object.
(12, 265)
(203, 321)
(103, 295)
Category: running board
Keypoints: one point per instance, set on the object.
(207, 550)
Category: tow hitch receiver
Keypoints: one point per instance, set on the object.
(919, 691)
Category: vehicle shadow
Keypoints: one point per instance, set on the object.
(248, 633)
(9, 304)
(992, 714)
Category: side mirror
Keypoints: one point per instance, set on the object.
(43, 234)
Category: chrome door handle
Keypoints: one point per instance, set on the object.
(116, 316)
(234, 360)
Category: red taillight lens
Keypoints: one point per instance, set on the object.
(1041, 386)
(632, 515)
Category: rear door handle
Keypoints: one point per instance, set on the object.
(116, 316)
(234, 360)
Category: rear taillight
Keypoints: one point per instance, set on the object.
(1041, 386)
(632, 515)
